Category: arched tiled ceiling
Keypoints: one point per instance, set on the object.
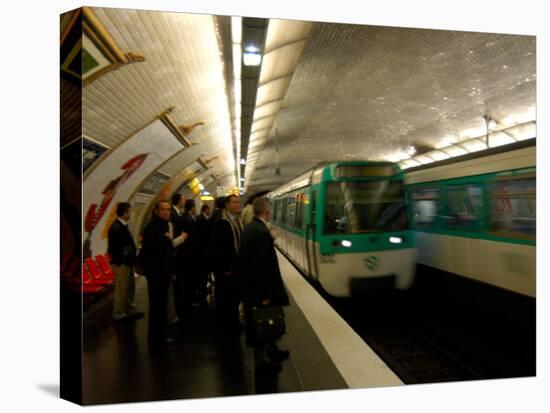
(365, 92)
(183, 68)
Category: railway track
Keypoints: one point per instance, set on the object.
(423, 346)
(435, 333)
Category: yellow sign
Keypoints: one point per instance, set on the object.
(193, 183)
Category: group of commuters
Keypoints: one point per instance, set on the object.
(181, 251)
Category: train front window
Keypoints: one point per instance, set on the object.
(356, 207)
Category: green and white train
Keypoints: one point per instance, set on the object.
(344, 224)
(477, 217)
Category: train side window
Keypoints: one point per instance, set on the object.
(464, 204)
(424, 204)
(299, 210)
(273, 206)
(291, 210)
(279, 213)
(283, 216)
(513, 207)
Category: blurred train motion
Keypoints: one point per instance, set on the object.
(344, 224)
(477, 218)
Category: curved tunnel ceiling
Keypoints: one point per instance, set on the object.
(183, 69)
(348, 91)
(367, 92)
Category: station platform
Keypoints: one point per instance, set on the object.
(325, 353)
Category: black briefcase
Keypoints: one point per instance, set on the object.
(268, 323)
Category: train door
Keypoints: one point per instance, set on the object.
(310, 238)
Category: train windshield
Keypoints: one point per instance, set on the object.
(357, 207)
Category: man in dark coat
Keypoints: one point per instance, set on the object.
(122, 249)
(225, 248)
(260, 280)
(158, 260)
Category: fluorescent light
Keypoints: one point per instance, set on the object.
(437, 155)
(346, 243)
(396, 240)
(242, 179)
(500, 138)
(454, 150)
(236, 29)
(252, 59)
(473, 145)
(243, 161)
(423, 159)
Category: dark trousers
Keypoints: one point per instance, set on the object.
(201, 281)
(179, 285)
(185, 286)
(226, 299)
(158, 286)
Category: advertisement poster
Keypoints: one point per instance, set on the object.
(118, 176)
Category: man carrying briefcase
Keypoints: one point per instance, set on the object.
(263, 291)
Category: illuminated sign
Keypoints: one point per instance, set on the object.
(356, 171)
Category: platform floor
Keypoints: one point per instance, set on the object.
(119, 367)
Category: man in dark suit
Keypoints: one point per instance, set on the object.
(122, 249)
(226, 243)
(260, 281)
(203, 232)
(158, 260)
(188, 260)
(177, 204)
(176, 218)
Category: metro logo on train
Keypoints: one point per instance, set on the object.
(371, 262)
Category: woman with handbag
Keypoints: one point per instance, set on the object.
(262, 290)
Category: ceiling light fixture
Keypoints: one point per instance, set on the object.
(251, 58)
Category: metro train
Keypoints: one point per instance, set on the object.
(344, 224)
(477, 217)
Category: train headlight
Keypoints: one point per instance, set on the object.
(346, 243)
(396, 240)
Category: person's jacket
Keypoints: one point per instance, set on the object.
(176, 221)
(259, 275)
(225, 243)
(157, 252)
(120, 244)
(187, 224)
(203, 230)
(174, 216)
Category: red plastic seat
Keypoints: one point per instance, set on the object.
(95, 270)
(76, 284)
(92, 275)
(104, 266)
